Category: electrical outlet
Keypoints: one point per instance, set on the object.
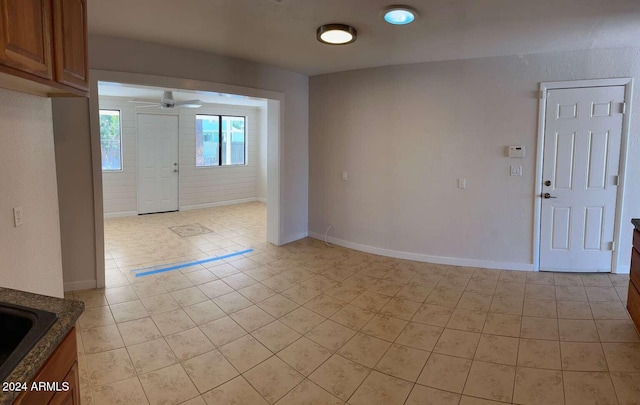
(17, 216)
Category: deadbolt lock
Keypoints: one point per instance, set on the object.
(547, 183)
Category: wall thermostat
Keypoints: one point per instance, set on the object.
(516, 151)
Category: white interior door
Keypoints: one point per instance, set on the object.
(157, 163)
(583, 131)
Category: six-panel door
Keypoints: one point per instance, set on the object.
(583, 132)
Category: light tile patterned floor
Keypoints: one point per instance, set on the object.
(311, 324)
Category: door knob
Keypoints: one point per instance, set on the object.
(547, 183)
(175, 170)
(547, 195)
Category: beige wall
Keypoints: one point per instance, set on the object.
(75, 187)
(405, 134)
(123, 55)
(30, 258)
(262, 155)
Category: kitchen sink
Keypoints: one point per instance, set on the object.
(20, 329)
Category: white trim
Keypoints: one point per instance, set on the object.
(622, 173)
(626, 122)
(453, 261)
(261, 199)
(293, 238)
(120, 214)
(623, 270)
(80, 285)
(217, 204)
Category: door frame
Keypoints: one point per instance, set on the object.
(172, 113)
(626, 119)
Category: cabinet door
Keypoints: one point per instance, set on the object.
(25, 36)
(70, 43)
(72, 396)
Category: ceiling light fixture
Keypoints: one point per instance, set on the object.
(399, 15)
(336, 34)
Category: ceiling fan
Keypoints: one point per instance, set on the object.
(167, 102)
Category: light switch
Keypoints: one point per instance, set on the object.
(345, 176)
(462, 183)
(17, 216)
(516, 170)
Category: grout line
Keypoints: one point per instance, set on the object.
(377, 312)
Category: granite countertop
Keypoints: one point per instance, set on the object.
(636, 223)
(68, 312)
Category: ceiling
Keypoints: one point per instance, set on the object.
(154, 94)
(282, 32)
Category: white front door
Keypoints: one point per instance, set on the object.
(583, 131)
(157, 163)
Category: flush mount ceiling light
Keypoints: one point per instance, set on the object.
(336, 34)
(399, 15)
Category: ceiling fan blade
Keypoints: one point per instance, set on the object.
(187, 102)
(149, 105)
(141, 101)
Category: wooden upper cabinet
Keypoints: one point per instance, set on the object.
(25, 36)
(43, 47)
(70, 43)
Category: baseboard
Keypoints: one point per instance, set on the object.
(217, 204)
(623, 269)
(120, 214)
(293, 238)
(419, 257)
(80, 285)
(261, 199)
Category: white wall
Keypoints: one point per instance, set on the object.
(30, 254)
(119, 188)
(199, 186)
(206, 186)
(406, 133)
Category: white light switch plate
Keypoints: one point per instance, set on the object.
(17, 216)
(462, 183)
(516, 170)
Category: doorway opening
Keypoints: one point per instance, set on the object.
(186, 182)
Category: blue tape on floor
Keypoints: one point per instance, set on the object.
(181, 266)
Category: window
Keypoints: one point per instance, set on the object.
(110, 140)
(220, 140)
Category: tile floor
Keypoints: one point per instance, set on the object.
(311, 324)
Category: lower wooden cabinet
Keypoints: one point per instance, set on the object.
(633, 298)
(72, 396)
(633, 305)
(60, 372)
